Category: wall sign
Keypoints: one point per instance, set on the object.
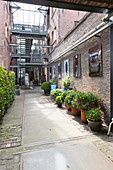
(77, 65)
(66, 68)
(59, 70)
(95, 61)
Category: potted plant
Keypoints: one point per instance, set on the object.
(82, 104)
(94, 118)
(69, 98)
(46, 86)
(66, 83)
(55, 93)
(53, 83)
(86, 101)
(17, 90)
(59, 101)
(74, 108)
(64, 94)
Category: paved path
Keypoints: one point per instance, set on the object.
(44, 124)
(43, 121)
(52, 139)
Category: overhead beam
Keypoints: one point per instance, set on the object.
(68, 5)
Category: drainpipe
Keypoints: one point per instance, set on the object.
(86, 37)
(109, 129)
(58, 15)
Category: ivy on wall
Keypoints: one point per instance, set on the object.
(7, 89)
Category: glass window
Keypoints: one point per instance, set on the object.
(66, 68)
(77, 65)
(59, 70)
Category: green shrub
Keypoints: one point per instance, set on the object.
(65, 93)
(7, 89)
(53, 81)
(94, 114)
(46, 85)
(69, 97)
(86, 101)
(82, 100)
(66, 82)
(56, 92)
(17, 86)
(58, 99)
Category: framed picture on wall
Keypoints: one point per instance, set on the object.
(50, 73)
(59, 70)
(77, 65)
(54, 70)
(66, 68)
(95, 61)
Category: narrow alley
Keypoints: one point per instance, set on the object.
(51, 138)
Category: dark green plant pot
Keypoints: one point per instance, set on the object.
(47, 92)
(59, 105)
(17, 91)
(95, 126)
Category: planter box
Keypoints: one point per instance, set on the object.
(64, 89)
(53, 87)
(53, 97)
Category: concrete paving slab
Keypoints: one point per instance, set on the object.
(49, 126)
(83, 156)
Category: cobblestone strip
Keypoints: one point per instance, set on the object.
(106, 147)
(10, 162)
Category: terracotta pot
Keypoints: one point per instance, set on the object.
(74, 111)
(68, 106)
(83, 116)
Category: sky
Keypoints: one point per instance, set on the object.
(26, 17)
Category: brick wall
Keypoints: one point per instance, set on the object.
(99, 85)
(4, 21)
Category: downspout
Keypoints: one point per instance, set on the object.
(58, 15)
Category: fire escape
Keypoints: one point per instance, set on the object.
(30, 55)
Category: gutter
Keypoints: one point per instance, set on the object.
(86, 37)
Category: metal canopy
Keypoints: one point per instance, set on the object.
(100, 6)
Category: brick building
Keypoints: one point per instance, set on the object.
(84, 54)
(5, 38)
(60, 22)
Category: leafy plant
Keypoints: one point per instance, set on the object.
(58, 99)
(66, 82)
(93, 100)
(86, 101)
(7, 89)
(65, 93)
(17, 86)
(69, 97)
(94, 114)
(56, 92)
(53, 81)
(74, 102)
(46, 85)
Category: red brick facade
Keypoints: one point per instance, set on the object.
(99, 85)
(5, 24)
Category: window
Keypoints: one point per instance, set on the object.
(54, 70)
(95, 61)
(59, 70)
(50, 73)
(66, 68)
(6, 31)
(77, 65)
